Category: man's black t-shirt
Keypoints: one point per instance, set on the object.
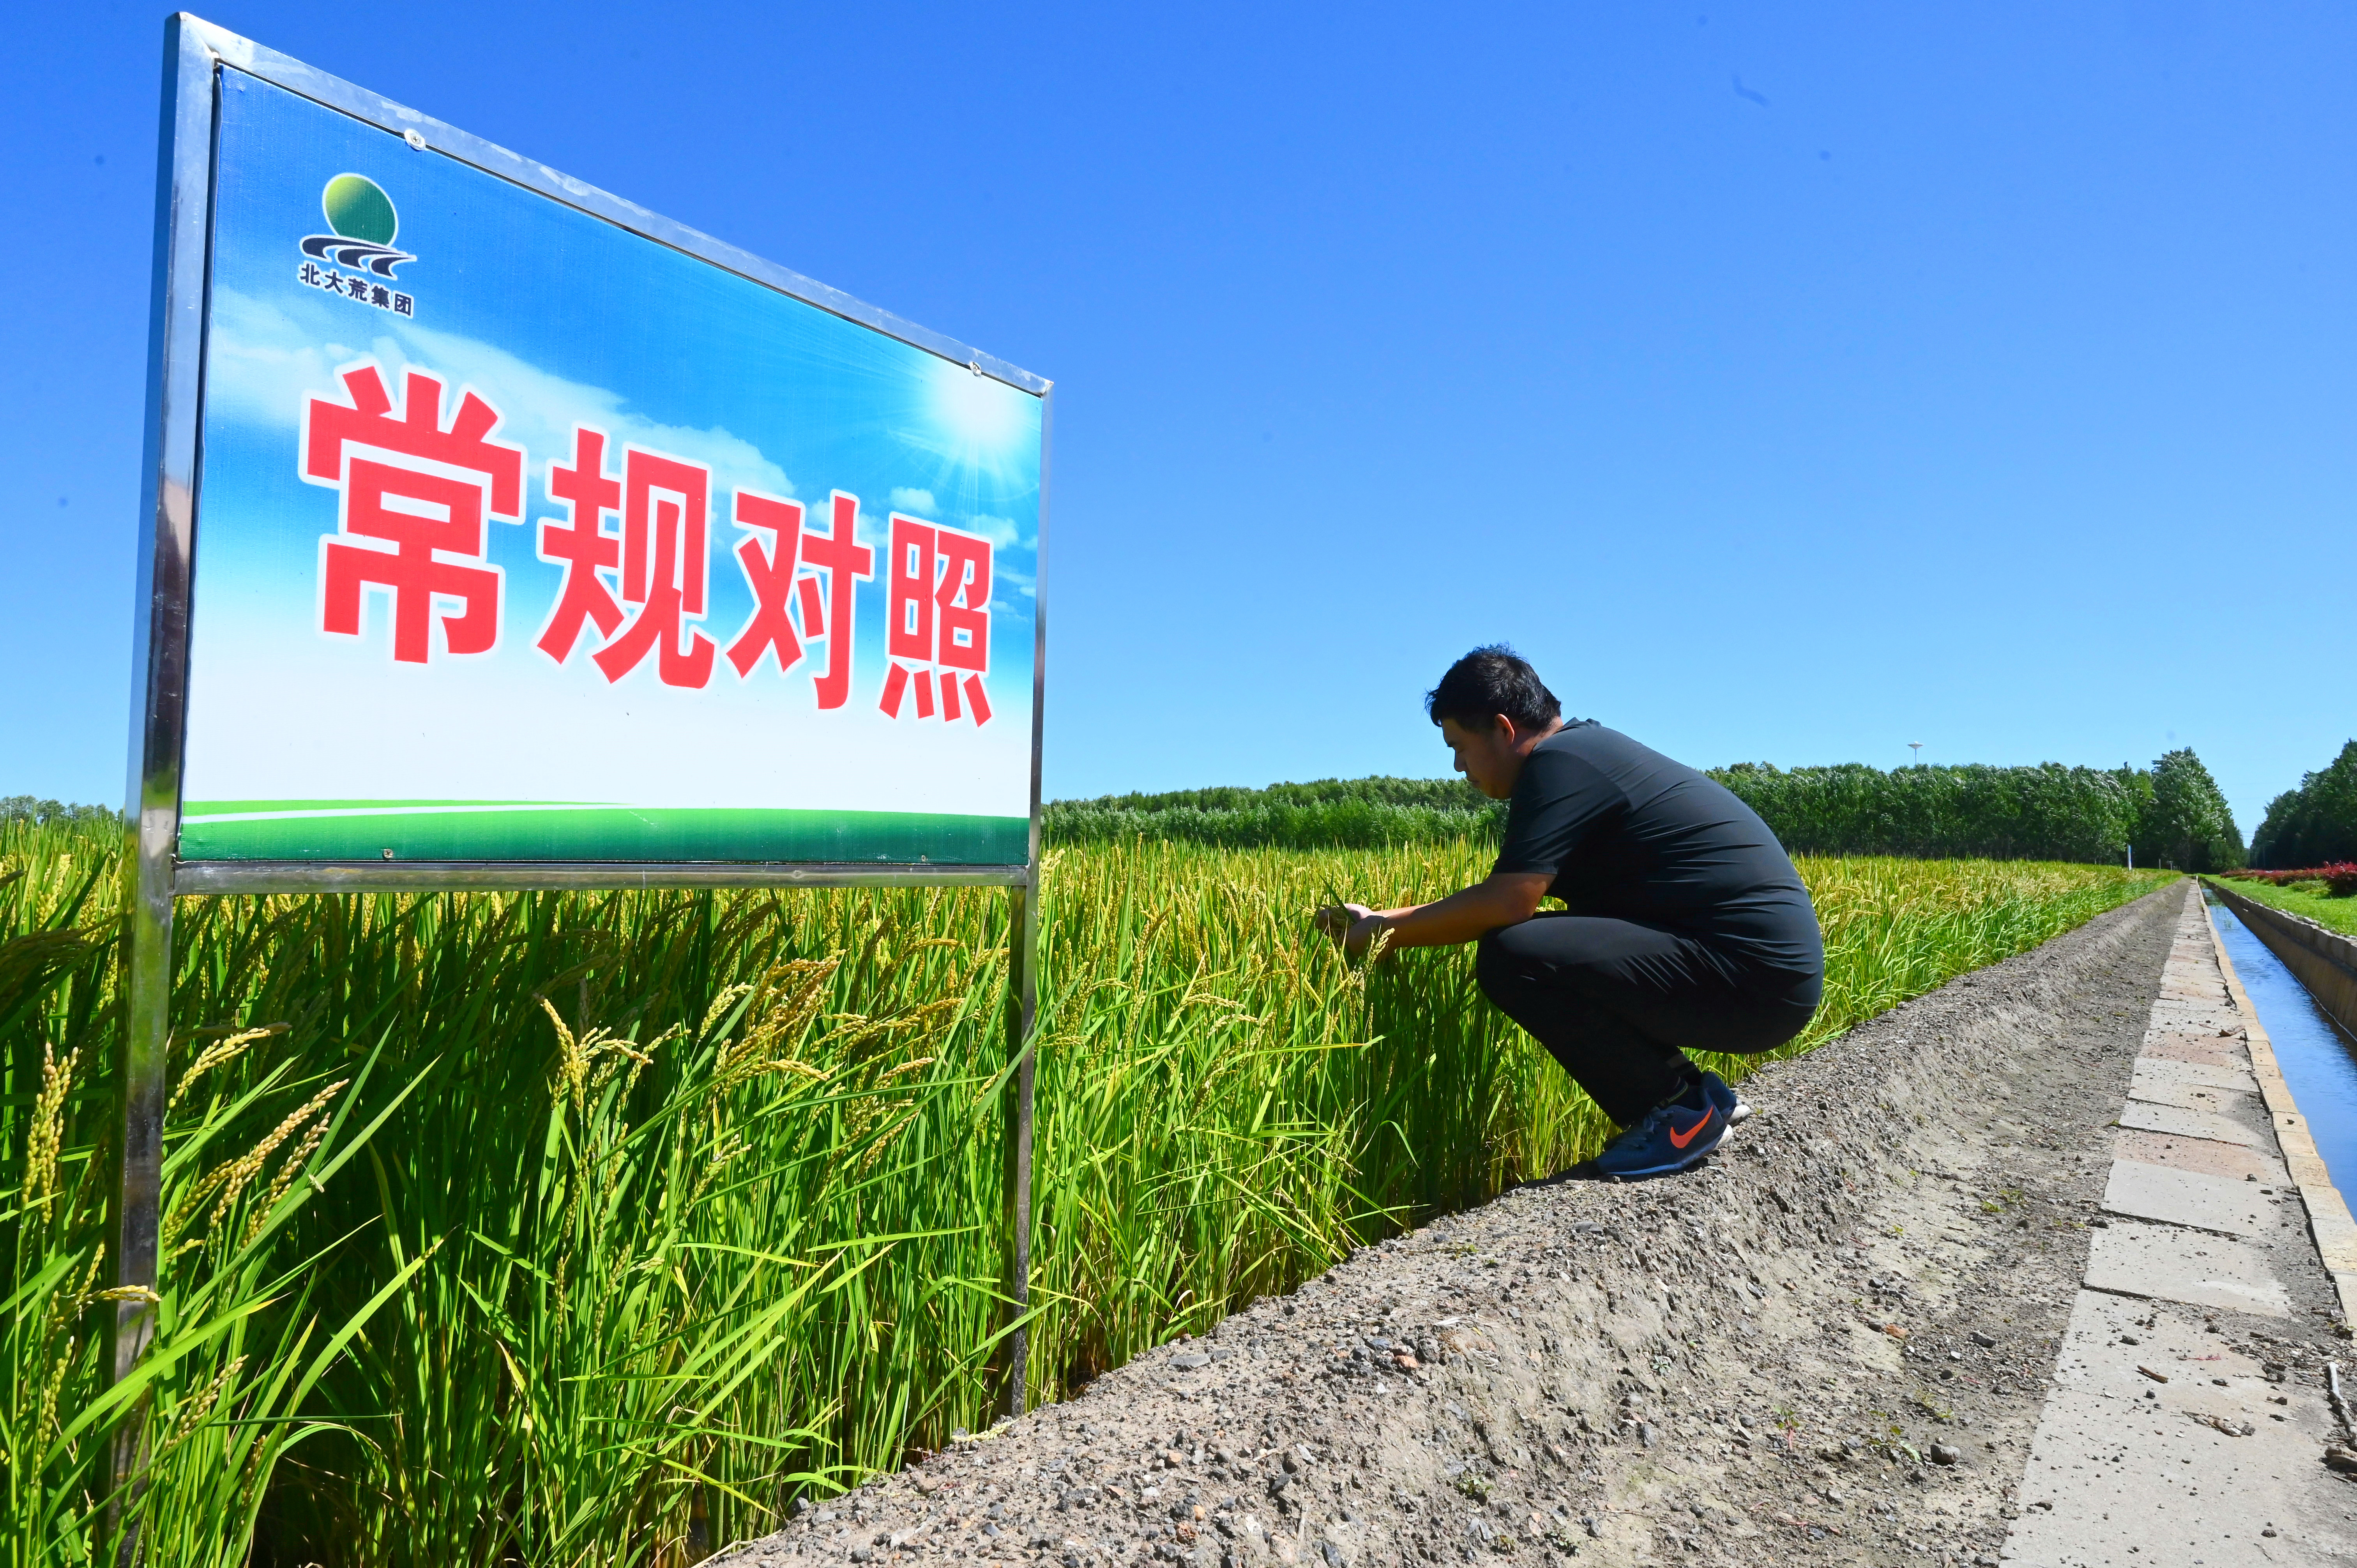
(1629, 833)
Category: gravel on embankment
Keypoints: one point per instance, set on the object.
(1829, 1344)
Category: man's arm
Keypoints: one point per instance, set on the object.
(1504, 899)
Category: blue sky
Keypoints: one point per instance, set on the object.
(1790, 384)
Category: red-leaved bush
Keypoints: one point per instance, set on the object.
(2340, 879)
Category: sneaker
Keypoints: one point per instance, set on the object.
(1722, 1094)
(1671, 1137)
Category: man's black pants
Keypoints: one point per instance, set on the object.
(1619, 1003)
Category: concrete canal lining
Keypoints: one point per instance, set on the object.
(2325, 961)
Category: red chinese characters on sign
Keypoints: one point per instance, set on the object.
(937, 617)
(419, 494)
(666, 559)
(662, 555)
(770, 574)
(581, 545)
(824, 597)
(845, 561)
(660, 562)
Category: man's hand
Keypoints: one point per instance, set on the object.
(1504, 899)
(1352, 927)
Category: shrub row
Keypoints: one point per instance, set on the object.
(1378, 789)
(2340, 879)
(1326, 813)
(1337, 824)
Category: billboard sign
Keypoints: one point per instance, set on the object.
(531, 530)
(499, 533)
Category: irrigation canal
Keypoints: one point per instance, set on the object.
(2319, 1061)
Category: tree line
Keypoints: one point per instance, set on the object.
(2315, 824)
(40, 813)
(2171, 813)
(2168, 814)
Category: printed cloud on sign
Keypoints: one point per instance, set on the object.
(266, 359)
(1000, 530)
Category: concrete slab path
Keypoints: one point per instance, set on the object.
(2180, 1197)
(2171, 1437)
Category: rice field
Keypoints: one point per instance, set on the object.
(595, 1229)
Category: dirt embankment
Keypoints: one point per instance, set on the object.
(1830, 1343)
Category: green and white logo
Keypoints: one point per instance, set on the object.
(362, 223)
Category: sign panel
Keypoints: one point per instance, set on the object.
(522, 537)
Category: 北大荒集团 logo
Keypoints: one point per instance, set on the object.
(363, 222)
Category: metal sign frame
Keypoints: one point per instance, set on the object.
(196, 54)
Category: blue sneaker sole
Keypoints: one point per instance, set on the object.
(1683, 1163)
(1651, 1174)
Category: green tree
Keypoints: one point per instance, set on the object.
(2046, 812)
(25, 807)
(2315, 824)
(2187, 824)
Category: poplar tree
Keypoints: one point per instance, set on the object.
(2315, 824)
(2187, 824)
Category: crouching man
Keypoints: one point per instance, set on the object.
(1684, 927)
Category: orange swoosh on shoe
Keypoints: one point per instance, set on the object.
(1694, 1131)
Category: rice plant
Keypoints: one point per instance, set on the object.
(597, 1228)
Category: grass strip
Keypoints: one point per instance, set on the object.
(2307, 898)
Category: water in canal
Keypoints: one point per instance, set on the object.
(2318, 1060)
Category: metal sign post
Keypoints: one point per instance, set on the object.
(1022, 936)
(501, 534)
(159, 664)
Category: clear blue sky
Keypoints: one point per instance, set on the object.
(1790, 384)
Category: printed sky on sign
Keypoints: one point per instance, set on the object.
(557, 319)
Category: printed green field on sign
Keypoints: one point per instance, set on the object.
(578, 831)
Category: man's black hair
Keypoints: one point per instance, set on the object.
(1488, 682)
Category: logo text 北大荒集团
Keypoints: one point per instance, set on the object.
(356, 259)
